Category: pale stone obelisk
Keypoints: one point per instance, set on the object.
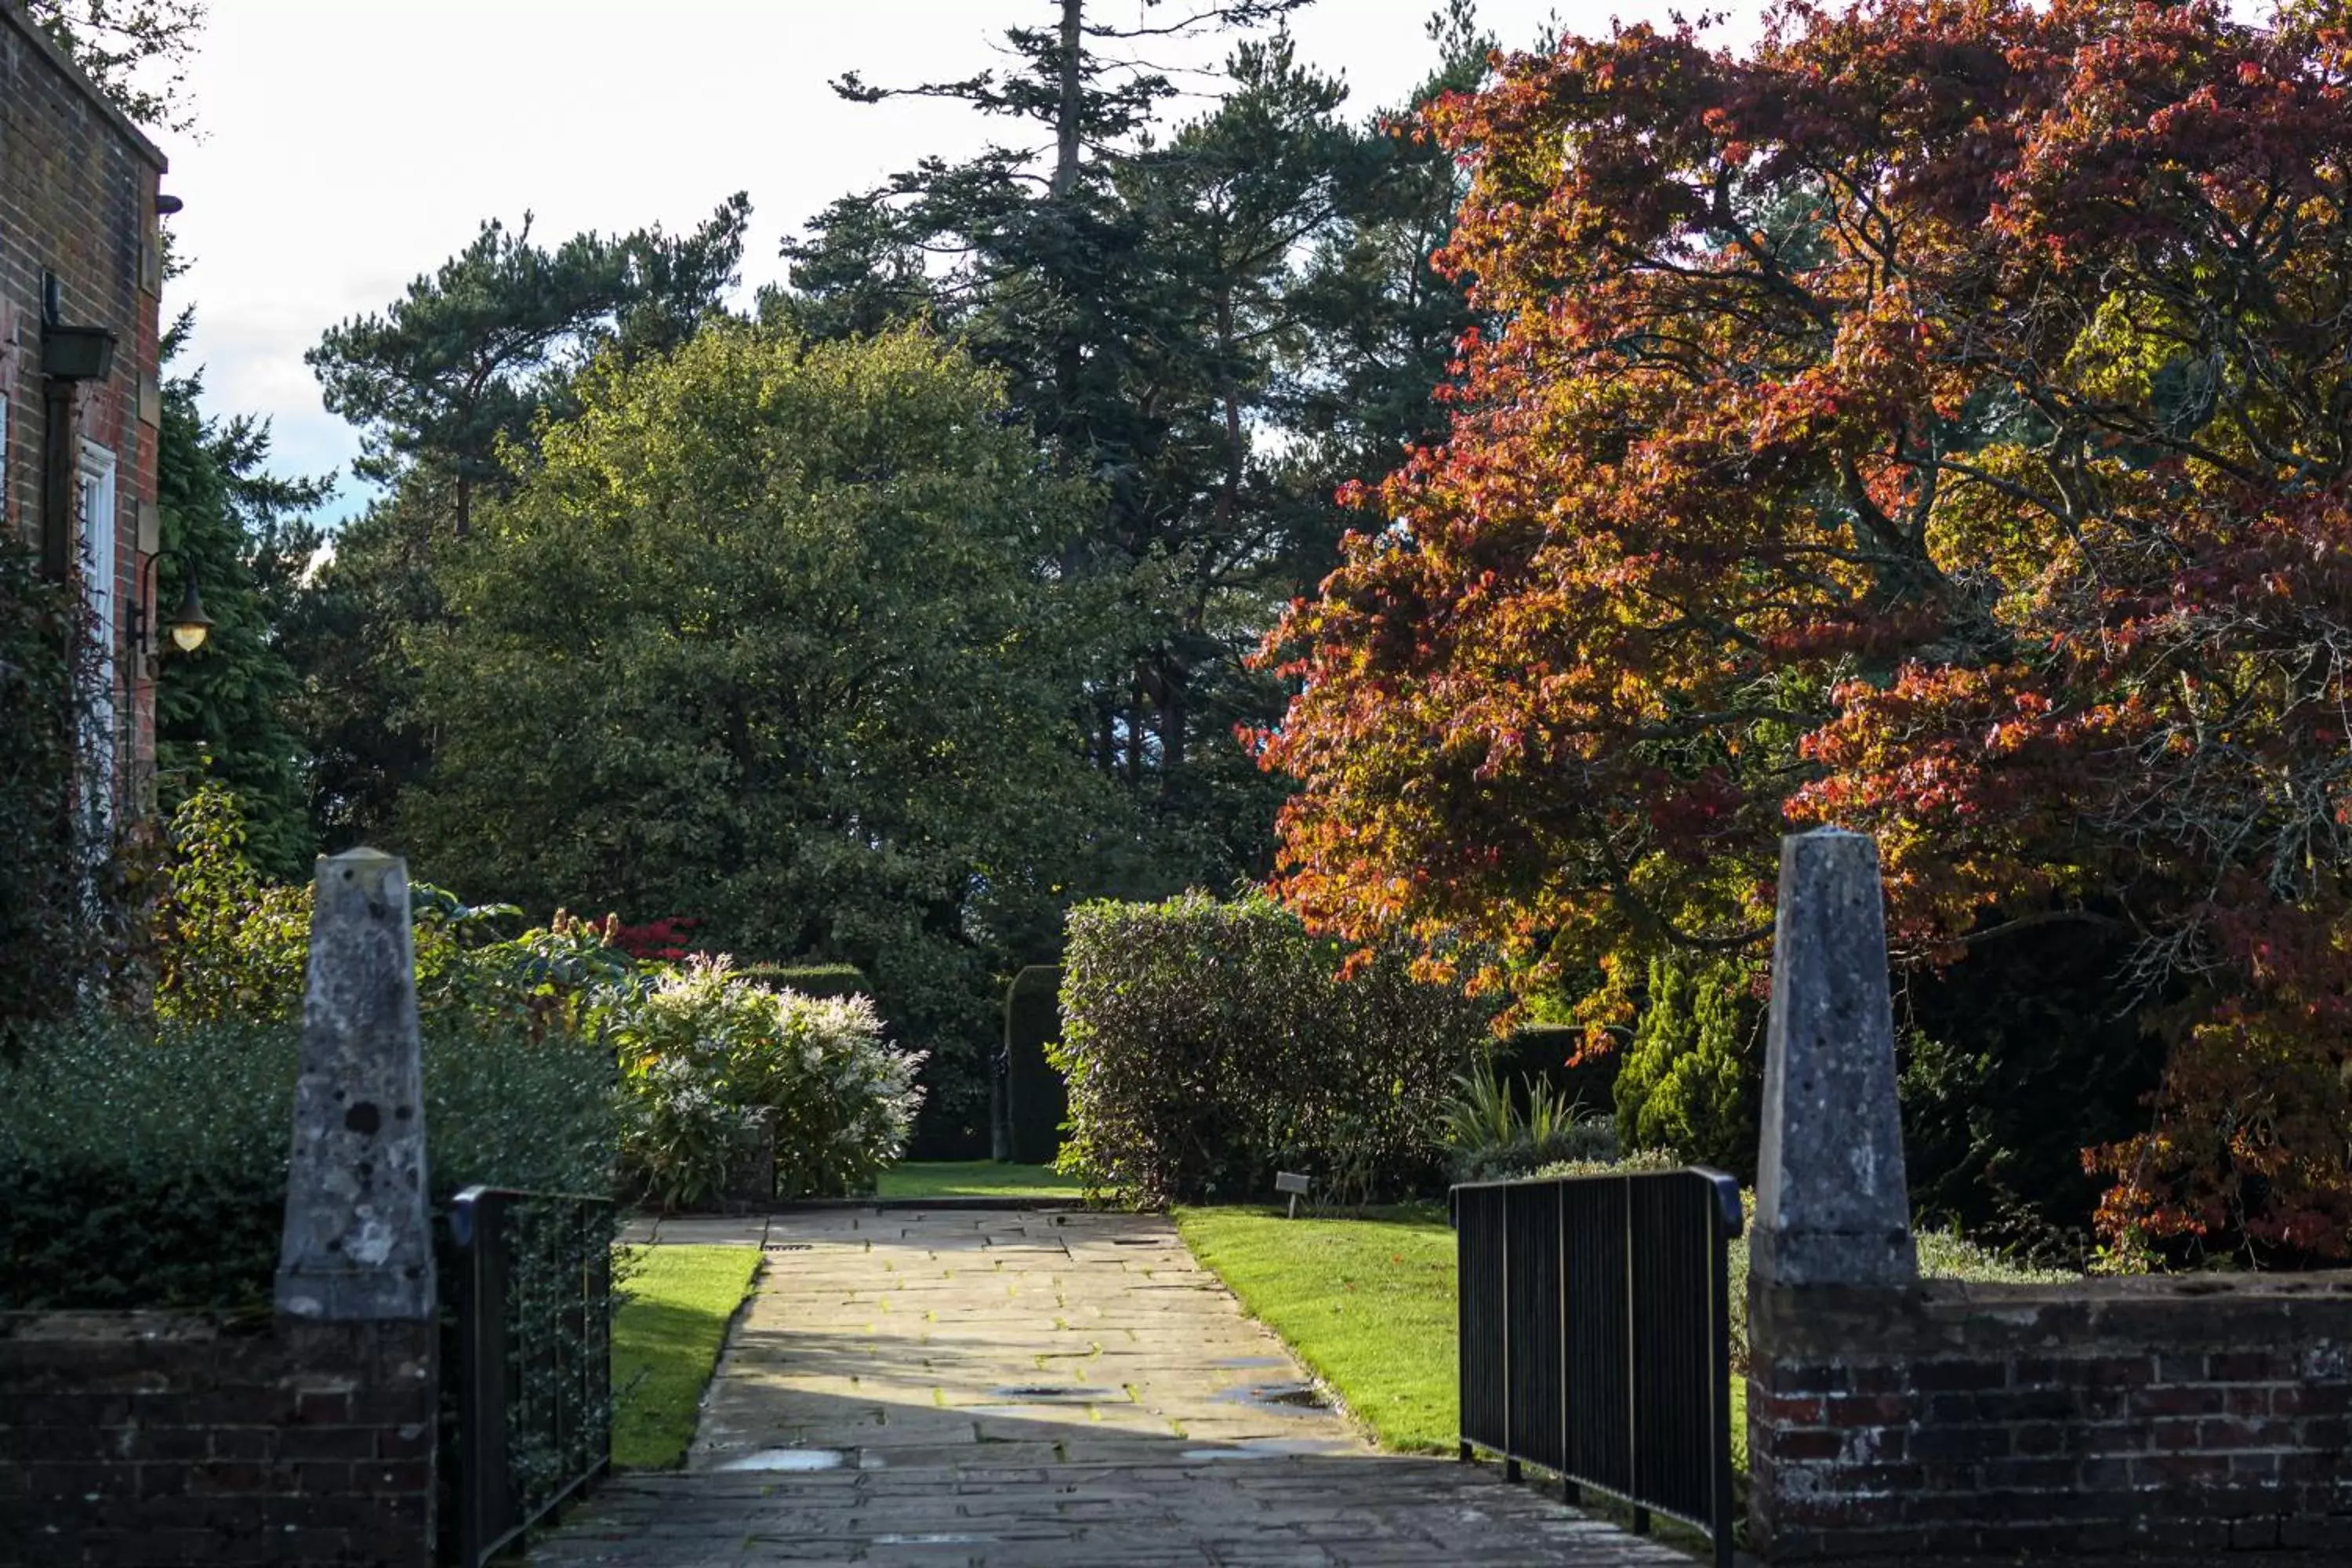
(358, 1244)
(1831, 1202)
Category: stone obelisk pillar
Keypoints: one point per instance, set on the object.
(1831, 1208)
(358, 1241)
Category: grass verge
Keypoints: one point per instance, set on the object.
(973, 1179)
(666, 1339)
(1368, 1304)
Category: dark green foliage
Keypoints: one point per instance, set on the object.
(61, 903)
(144, 1172)
(475, 354)
(1208, 1043)
(1549, 1053)
(1497, 1130)
(349, 634)
(808, 979)
(2011, 1065)
(1036, 1097)
(220, 711)
(1691, 1078)
(1218, 321)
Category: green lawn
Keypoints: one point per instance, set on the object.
(973, 1179)
(666, 1339)
(1367, 1303)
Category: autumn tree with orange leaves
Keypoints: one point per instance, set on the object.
(1938, 422)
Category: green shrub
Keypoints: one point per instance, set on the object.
(149, 1171)
(228, 945)
(722, 1071)
(233, 947)
(1629, 1163)
(1207, 1044)
(1690, 1083)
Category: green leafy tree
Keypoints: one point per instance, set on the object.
(242, 531)
(772, 635)
(448, 386)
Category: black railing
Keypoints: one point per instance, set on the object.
(533, 1374)
(1595, 1336)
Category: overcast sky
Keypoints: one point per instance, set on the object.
(344, 146)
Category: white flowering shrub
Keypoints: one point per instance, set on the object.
(728, 1077)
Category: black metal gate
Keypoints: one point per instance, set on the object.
(533, 1293)
(1595, 1336)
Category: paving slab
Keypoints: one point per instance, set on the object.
(1023, 1389)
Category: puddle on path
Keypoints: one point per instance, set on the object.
(1292, 1398)
(789, 1460)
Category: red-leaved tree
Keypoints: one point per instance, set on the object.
(1935, 422)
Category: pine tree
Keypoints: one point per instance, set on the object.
(474, 353)
(1160, 301)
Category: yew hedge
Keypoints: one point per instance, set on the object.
(1208, 1043)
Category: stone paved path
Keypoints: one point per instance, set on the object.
(1056, 1389)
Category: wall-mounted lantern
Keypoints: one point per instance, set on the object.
(77, 354)
(188, 626)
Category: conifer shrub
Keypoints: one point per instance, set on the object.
(1209, 1044)
(1036, 1097)
(1690, 1081)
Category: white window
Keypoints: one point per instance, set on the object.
(97, 566)
(5, 509)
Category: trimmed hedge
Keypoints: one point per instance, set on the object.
(1036, 1097)
(1209, 1044)
(151, 1172)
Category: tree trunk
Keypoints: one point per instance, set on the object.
(1065, 125)
(1171, 719)
(1236, 451)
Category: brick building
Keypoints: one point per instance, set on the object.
(80, 393)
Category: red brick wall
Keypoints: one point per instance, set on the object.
(2189, 1417)
(152, 1438)
(78, 187)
